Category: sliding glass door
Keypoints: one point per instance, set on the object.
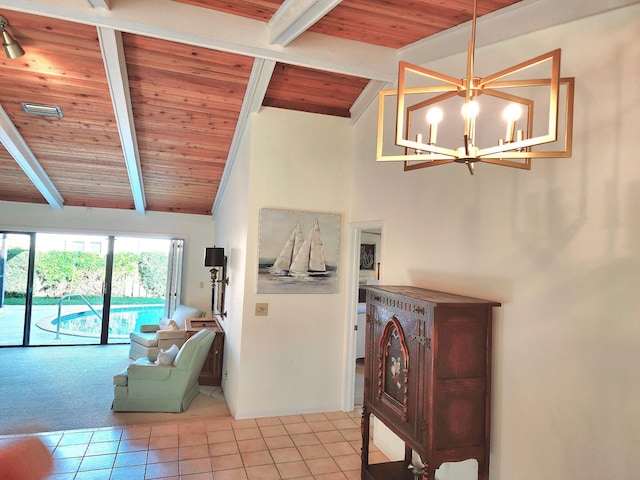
(68, 293)
(138, 285)
(62, 289)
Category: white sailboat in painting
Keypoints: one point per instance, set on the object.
(309, 261)
(300, 258)
(291, 248)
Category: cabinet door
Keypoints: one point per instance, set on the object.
(394, 368)
(460, 383)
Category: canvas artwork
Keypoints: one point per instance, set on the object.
(298, 251)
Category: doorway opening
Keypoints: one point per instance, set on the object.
(365, 269)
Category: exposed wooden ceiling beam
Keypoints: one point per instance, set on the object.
(21, 153)
(116, 70)
(208, 28)
(294, 17)
(106, 4)
(256, 89)
(258, 83)
(369, 94)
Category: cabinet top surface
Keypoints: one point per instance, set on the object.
(195, 324)
(431, 296)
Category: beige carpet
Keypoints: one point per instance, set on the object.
(47, 389)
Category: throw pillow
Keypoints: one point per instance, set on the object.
(171, 325)
(166, 357)
(168, 325)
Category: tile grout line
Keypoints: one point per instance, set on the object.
(255, 429)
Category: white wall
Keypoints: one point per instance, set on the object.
(231, 234)
(292, 360)
(559, 246)
(197, 230)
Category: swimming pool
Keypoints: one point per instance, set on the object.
(122, 321)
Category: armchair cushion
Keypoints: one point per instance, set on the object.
(144, 369)
(169, 334)
(145, 339)
(149, 328)
(121, 379)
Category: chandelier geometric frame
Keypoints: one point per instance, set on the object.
(421, 150)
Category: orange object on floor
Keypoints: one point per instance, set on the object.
(27, 459)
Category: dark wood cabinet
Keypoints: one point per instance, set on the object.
(211, 373)
(428, 378)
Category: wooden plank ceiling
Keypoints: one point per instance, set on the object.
(185, 100)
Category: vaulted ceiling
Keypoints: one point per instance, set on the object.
(155, 96)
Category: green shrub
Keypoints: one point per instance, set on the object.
(58, 273)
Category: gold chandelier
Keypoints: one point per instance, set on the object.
(441, 119)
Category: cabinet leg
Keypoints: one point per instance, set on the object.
(364, 431)
(483, 470)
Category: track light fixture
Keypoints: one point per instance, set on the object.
(11, 47)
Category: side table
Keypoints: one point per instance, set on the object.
(211, 373)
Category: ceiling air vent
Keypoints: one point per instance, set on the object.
(42, 110)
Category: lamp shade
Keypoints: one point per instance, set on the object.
(214, 257)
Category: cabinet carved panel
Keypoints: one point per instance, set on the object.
(393, 371)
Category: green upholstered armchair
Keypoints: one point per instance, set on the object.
(147, 387)
(154, 337)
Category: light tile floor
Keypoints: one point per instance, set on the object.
(323, 446)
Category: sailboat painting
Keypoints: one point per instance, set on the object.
(298, 251)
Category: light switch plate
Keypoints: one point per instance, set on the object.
(262, 309)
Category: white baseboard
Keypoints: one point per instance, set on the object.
(242, 415)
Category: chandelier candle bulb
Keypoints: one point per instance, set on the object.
(511, 114)
(433, 133)
(418, 140)
(469, 112)
(434, 117)
(511, 127)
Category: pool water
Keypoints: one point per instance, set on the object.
(122, 321)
